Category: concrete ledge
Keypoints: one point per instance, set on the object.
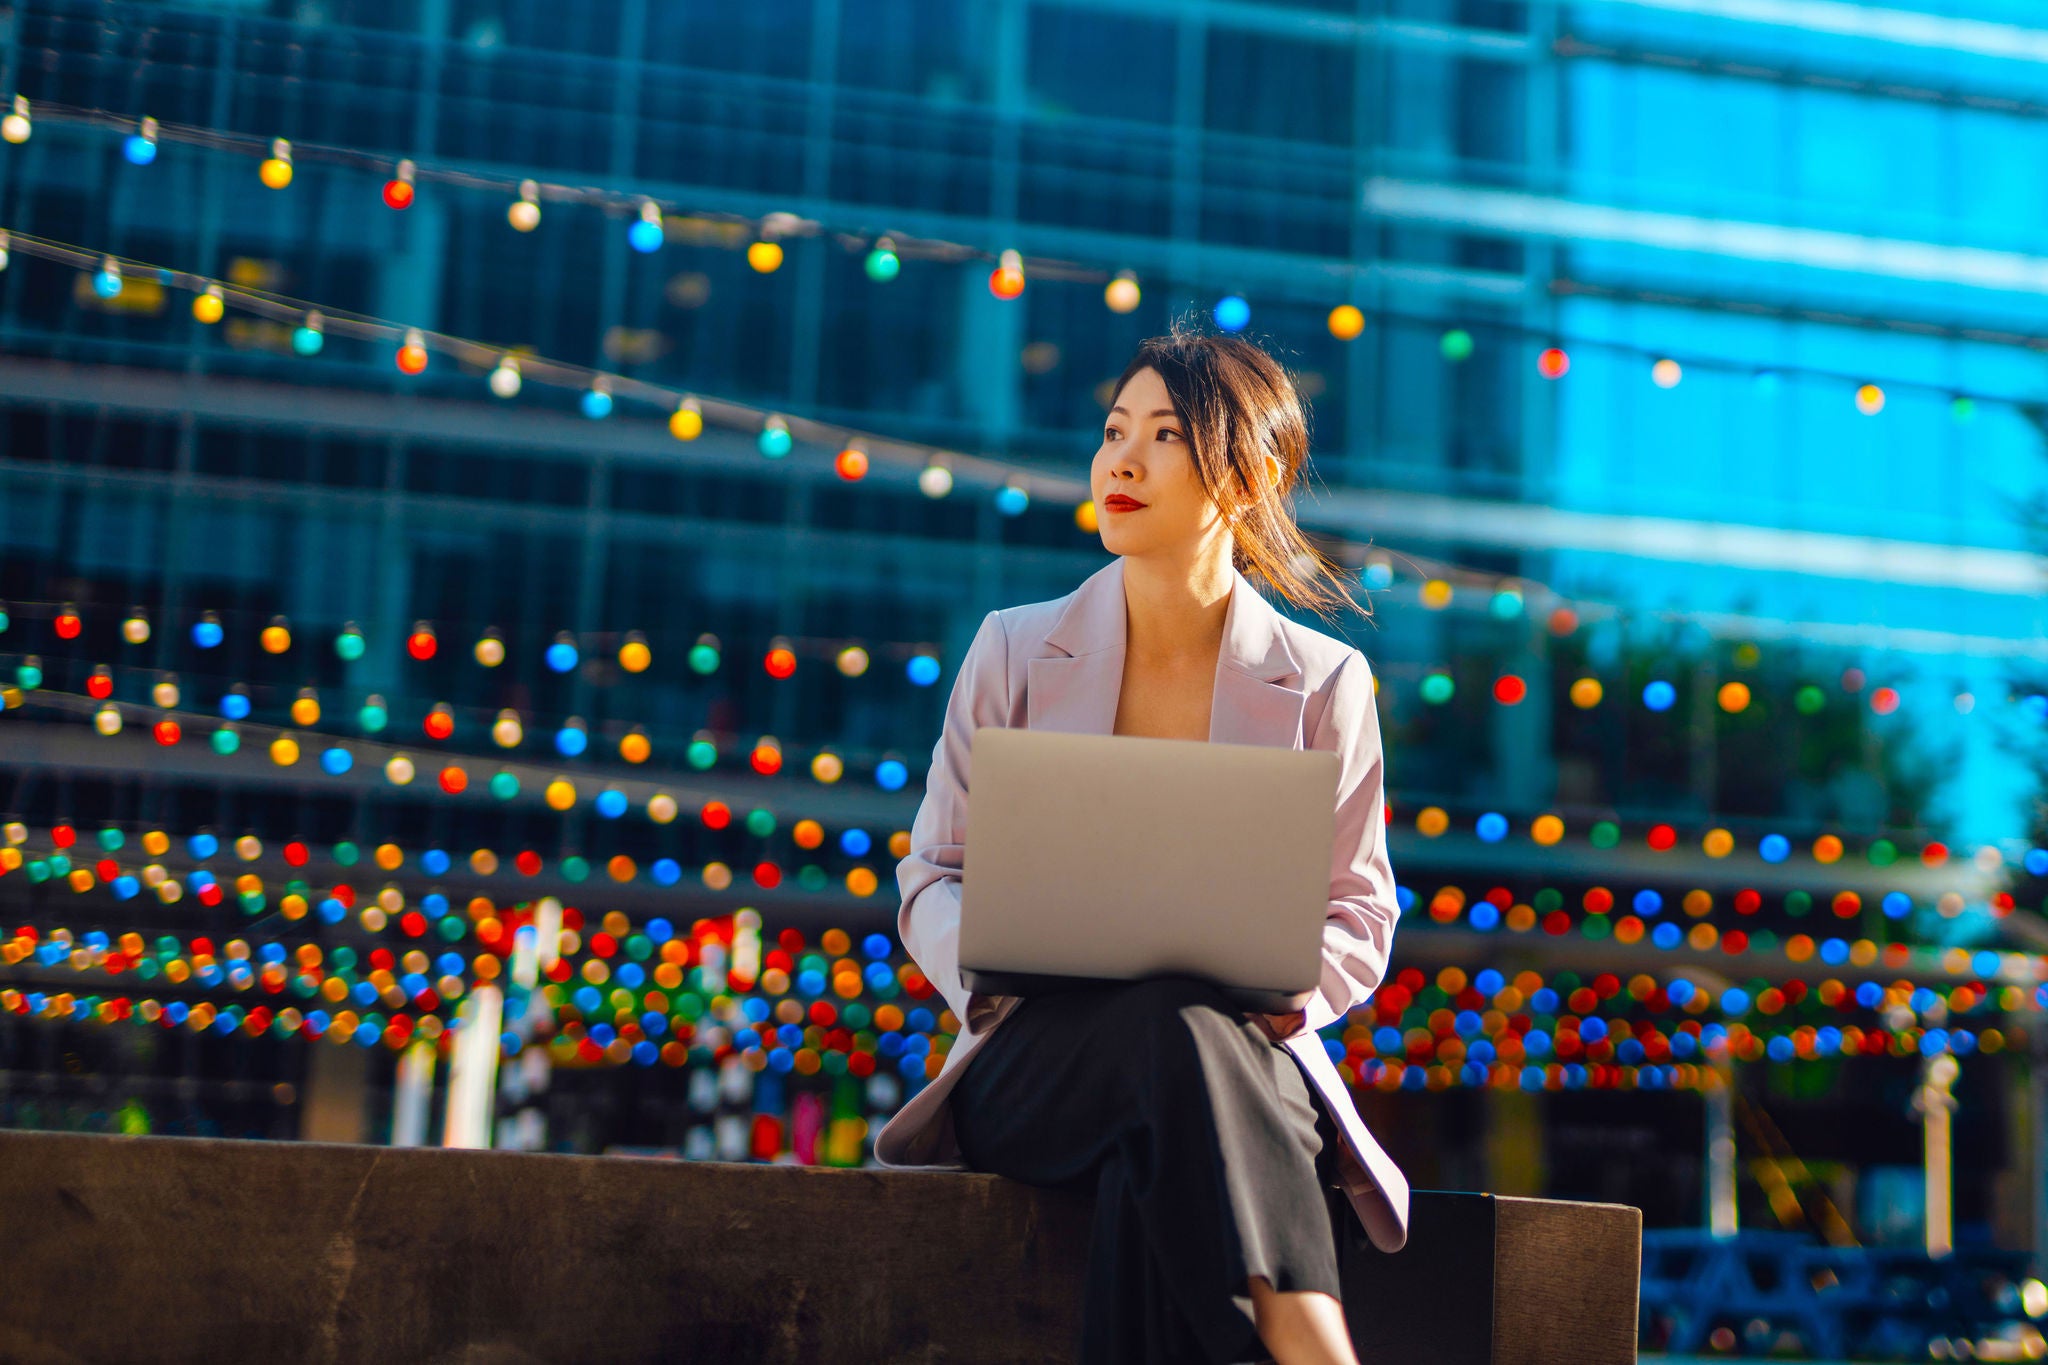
(118, 1249)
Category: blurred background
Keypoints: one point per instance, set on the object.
(493, 495)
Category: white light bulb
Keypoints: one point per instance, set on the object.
(16, 127)
(505, 379)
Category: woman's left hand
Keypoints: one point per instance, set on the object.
(1279, 1026)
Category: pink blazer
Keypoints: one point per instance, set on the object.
(1058, 665)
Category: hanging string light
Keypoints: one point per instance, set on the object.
(412, 354)
(398, 190)
(524, 214)
(686, 423)
(276, 170)
(882, 263)
(140, 146)
(1007, 280)
(16, 127)
(646, 234)
(1121, 294)
(774, 440)
(505, 378)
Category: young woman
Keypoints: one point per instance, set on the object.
(1195, 1125)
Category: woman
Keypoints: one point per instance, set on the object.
(1200, 1138)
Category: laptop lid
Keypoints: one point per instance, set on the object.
(1123, 856)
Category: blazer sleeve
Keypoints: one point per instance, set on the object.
(1358, 934)
(928, 921)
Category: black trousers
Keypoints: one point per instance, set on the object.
(1209, 1159)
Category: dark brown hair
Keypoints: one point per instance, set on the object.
(1238, 404)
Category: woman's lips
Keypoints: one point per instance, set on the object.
(1121, 504)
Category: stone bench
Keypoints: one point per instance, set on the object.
(116, 1249)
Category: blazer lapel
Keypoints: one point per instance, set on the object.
(1257, 696)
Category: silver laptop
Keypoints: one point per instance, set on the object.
(1095, 858)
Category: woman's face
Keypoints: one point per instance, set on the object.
(1145, 457)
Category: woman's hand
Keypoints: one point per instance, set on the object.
(1279, 1026)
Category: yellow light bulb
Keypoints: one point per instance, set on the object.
(276, 170)
(687, 423)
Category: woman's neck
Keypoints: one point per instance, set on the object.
(1175, 612)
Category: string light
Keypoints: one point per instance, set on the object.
(765, 257)
(5, 252)
(307, 338)
(208, 307)
(524, 214)
(1121, 294)
(1870, 400)
(1346, 322)
(398, 190)
(1451, 342)
(882, 263)
(1666, 373)
(646, 234)
(505, 378)
(1232, 313)
(597, 400)
(1553, 363)
(935, 480)
(1006, 281)
(140, 146)
(686, 423)
(276, 170)
(106, 281)
(774, 441)
(851, 463)
(412, 356)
